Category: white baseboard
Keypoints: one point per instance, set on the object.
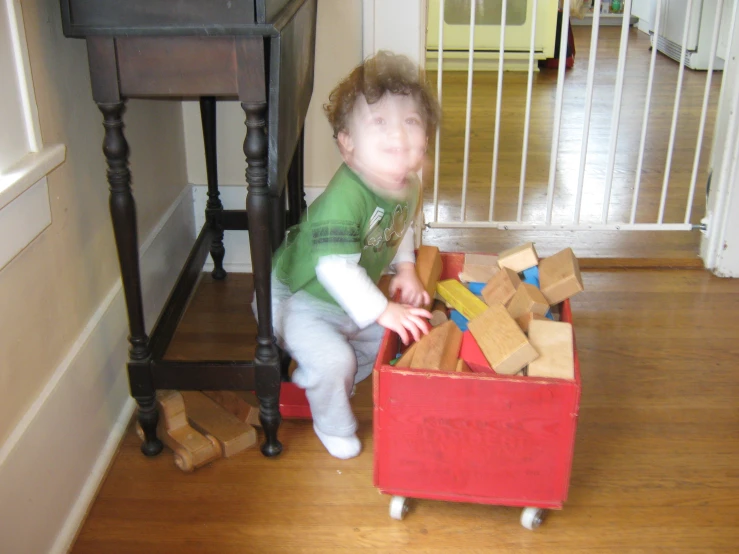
(233, 197)
(55, 459)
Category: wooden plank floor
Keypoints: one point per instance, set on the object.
(591, 244)
(655, 465)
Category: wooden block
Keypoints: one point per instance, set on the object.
(428, 269)
(384, 285)
(439, 349)
(501, 340)
(501, 288)
(407, 357)
(208, 417)
(191, 448)
(479, 268)
(462, 367)
(559, 276)
(455, 293)
(553, 341)
(525, 320)
(519, 258)
(438, 317)
(470, 352)
(527, 299)
(242, 404)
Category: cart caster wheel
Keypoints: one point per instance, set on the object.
(531, 518)
(398, 507)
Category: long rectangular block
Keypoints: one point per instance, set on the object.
(456, 294)
(501, 340)
(209, 418)
(553, 340)
(560, 277)
(242, 404)
(428, 269)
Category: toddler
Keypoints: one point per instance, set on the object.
(328, 312)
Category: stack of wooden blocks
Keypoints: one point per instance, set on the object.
(201, 427)
(501, 321)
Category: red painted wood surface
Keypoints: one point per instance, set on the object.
(470, 352)
(473, 437)
(293, 403)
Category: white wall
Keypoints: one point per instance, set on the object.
(720, 245)
(64, 396)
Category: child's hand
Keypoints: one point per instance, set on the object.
(405, 319)
(407, 283)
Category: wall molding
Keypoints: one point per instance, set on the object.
(56, 457)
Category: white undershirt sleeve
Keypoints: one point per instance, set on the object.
(348, 283)
(406, 250)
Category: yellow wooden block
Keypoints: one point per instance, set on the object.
(501, 340)
(528, 298)
(519, 258)
(553, 341)
(460, 298)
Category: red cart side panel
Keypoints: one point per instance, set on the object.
(473, 437)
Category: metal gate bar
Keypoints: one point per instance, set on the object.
(616, 114)
(588, 110)
(559, 97)
(498, 99)
(468, 116)
(675, 111)
(527, 119)
(558, 109)
(645, 117)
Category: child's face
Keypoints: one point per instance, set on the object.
(385, 141)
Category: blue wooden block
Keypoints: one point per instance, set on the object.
(531, 276)
(476, 288)
(549, 315)
(459, 319)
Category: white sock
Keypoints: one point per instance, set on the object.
(340, 447)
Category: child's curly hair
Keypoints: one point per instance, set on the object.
(382, 73)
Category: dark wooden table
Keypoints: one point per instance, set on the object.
(259, 52)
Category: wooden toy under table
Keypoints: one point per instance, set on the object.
(473, 437)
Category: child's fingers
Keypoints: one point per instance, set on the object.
(426, 298)
(420, 312)
(420, 324)
(412, 326)
(402, 333)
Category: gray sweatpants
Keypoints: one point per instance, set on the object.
(331, 352)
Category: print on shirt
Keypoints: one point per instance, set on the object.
(390, 229)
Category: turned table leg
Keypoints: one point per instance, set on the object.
(123, 215)
(214, 207)
(258, 206)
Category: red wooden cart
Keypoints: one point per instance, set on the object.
(473, 437)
